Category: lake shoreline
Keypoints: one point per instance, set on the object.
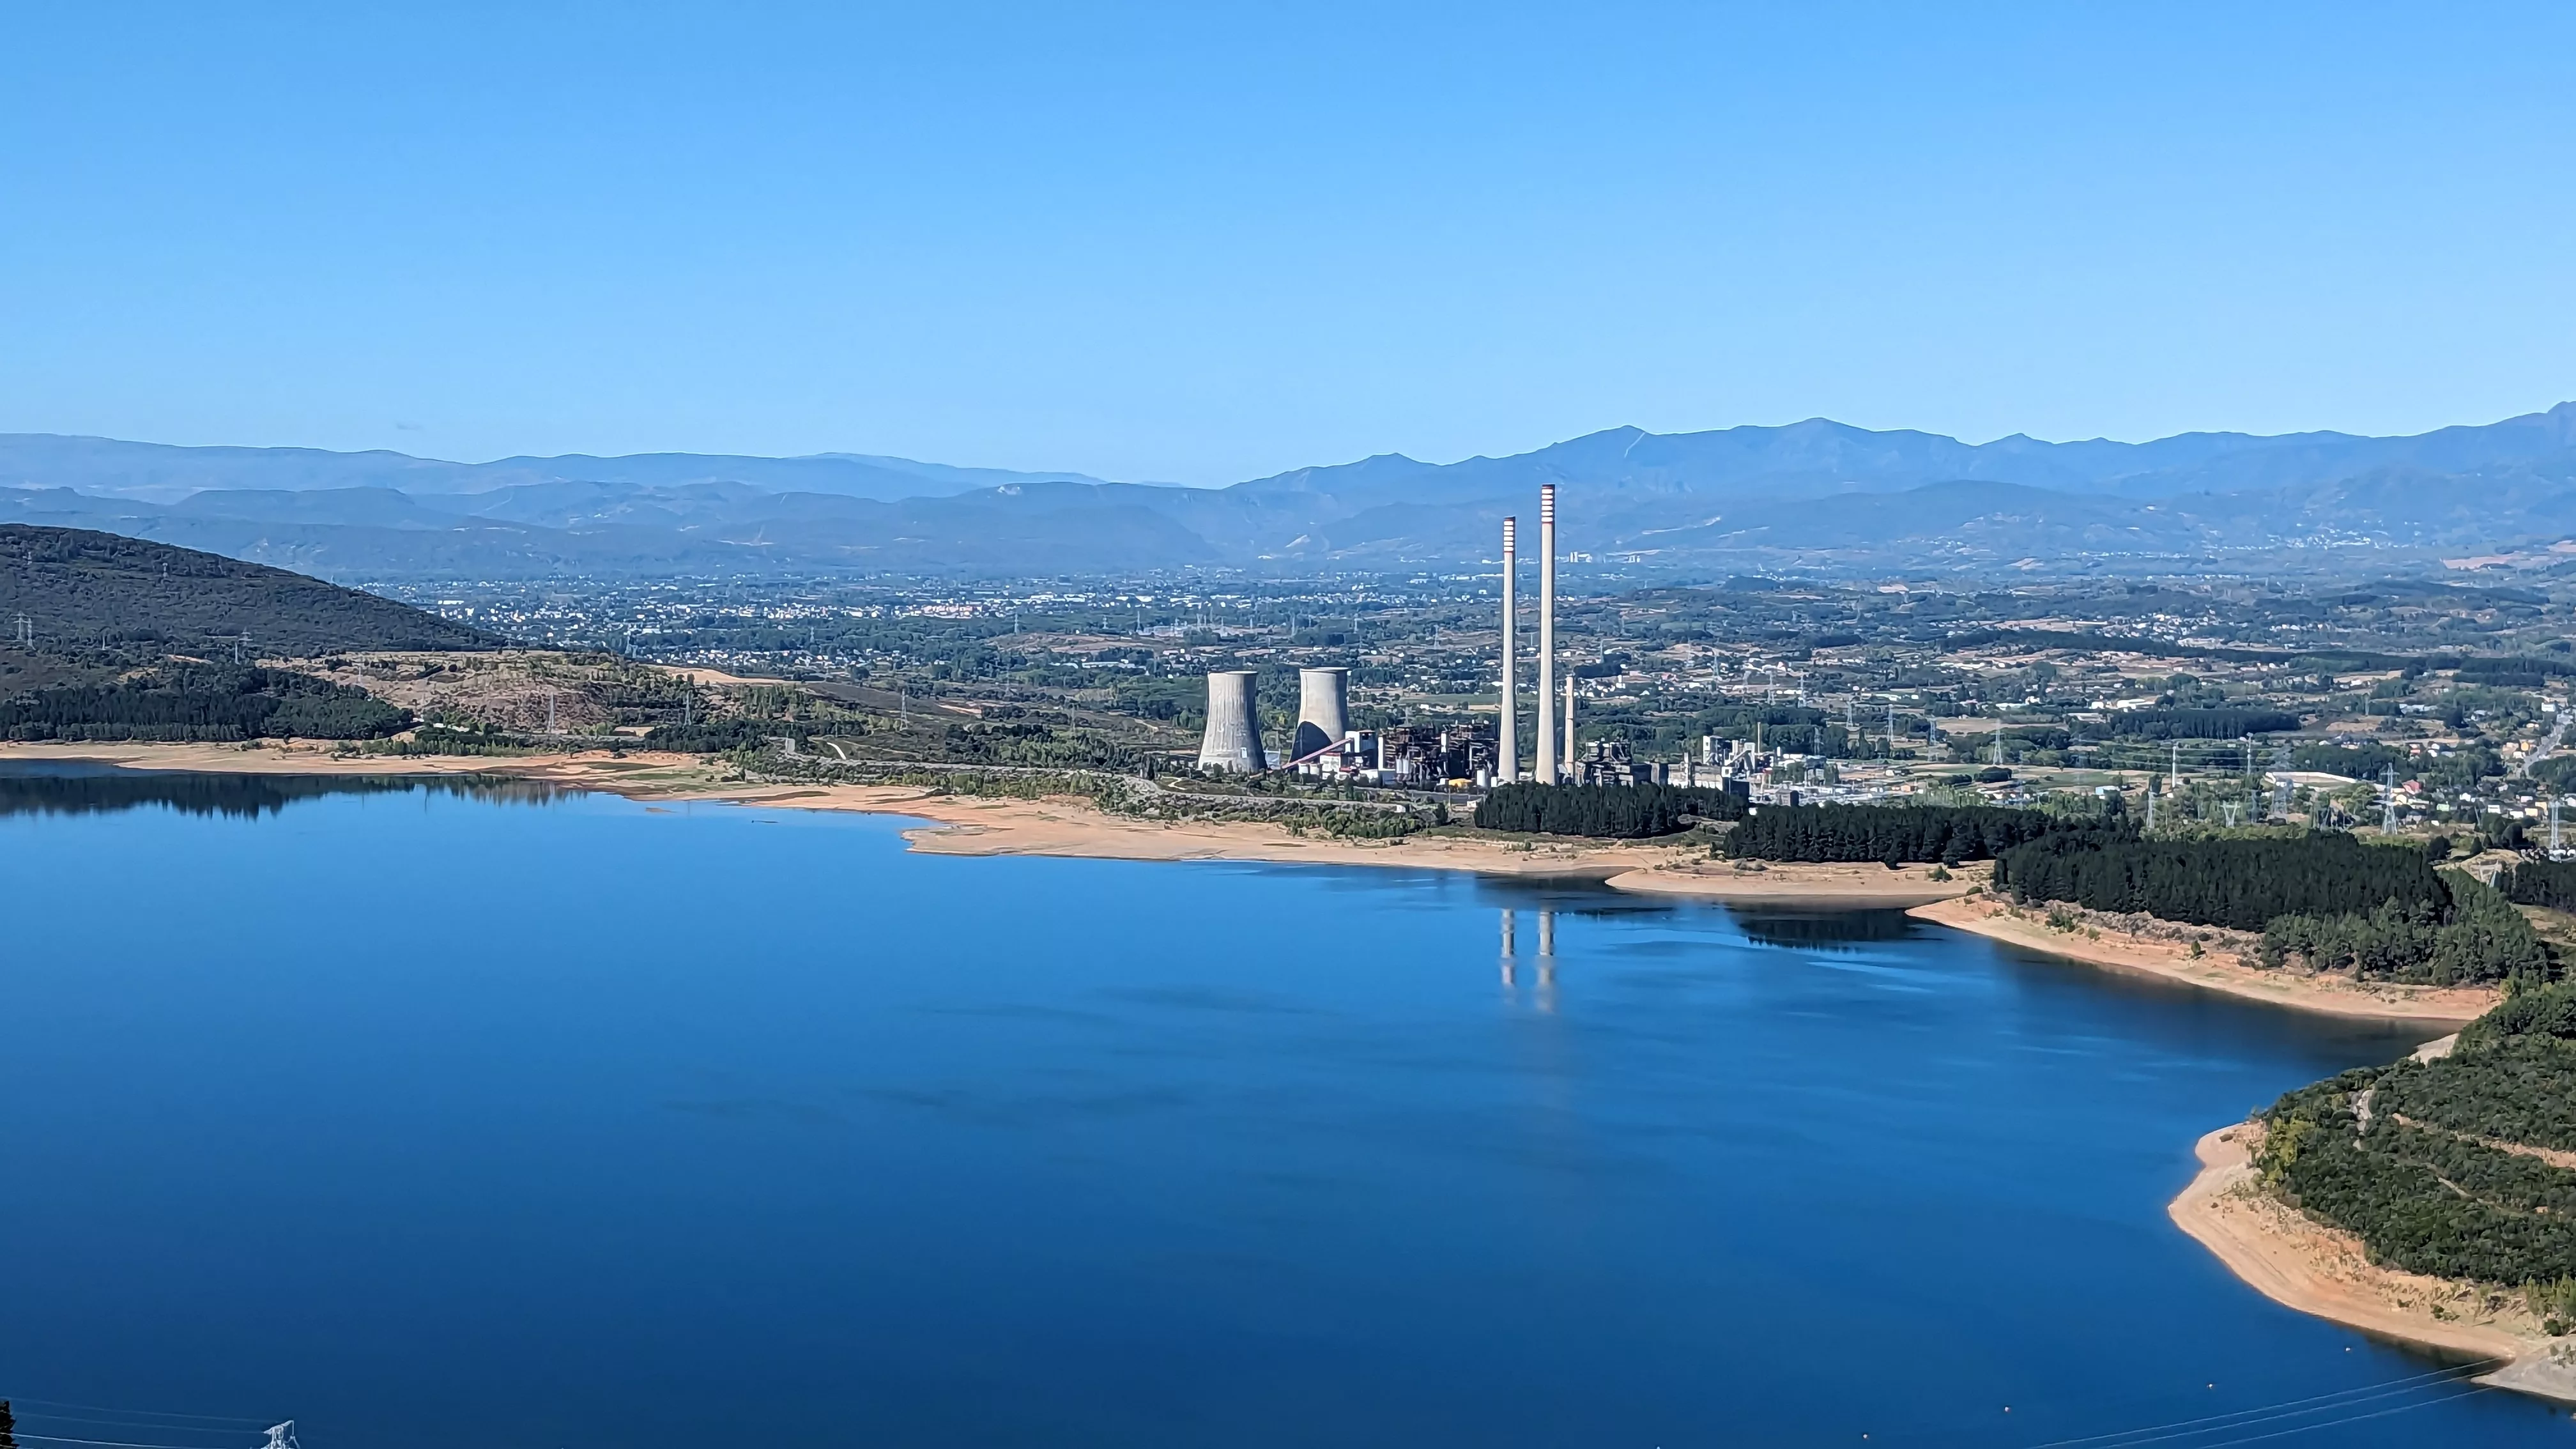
(2332, 995)
(1070, 827)
(2300, 1263)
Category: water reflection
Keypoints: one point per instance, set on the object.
(1545, 996)
(1820, 929)
(50, 787)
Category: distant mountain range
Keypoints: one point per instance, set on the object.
(1816, 495)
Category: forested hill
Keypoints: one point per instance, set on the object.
(76, 588)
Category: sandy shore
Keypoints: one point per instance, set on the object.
(2217, 971)
(2298, 1262)
(1791, 883)
(1067, 826)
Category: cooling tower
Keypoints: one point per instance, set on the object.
(1323, 709)
(1233, 738)
(1546, 761)
(1508, 738)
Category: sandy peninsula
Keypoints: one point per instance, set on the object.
(2296, 1261)
(2216, 970)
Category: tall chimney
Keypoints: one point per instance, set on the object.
(1508, 746)
(1571, 770)
(1546, 761)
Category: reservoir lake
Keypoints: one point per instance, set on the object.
(444, 1114)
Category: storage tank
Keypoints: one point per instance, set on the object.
(1323, 709)
(1233, 738)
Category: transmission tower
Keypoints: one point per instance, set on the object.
(2388, 800)
(26, 632)
(281, 1436)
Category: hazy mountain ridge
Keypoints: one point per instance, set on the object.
(1775, 494)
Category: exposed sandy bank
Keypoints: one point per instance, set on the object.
(2294, 1260)
(1069, 826)
(967, 825)
(1836, 884)
(2218, 971)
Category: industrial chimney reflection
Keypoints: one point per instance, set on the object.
(1509, 950)
(1547, 961)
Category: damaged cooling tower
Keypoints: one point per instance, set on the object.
(1233, 738)
(1323, 709)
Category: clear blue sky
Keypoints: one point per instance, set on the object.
(1202, 244)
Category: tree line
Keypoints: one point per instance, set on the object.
(2239, 883)
(1611, 812)
(1891, 834)
(2480, 938)
(2202, 724)
(2380, 912)
(201, 702)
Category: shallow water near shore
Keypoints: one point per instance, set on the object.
(434, 1114)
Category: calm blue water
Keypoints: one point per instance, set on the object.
(431, 1119)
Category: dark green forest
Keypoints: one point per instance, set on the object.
(2202, 724)
(1891, 834)
(2550, 883)
(80, 589)
(206, 702)
(1611, 812)
(2329, 901)
(2238, 883)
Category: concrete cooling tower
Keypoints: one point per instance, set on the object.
(1323, 709)
(1233, 738)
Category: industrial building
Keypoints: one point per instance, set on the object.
(1233, 738)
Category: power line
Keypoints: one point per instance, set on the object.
(2286, 1409)
(134, 1413)
(117, 1443)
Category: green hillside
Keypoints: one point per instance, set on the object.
(78, 589)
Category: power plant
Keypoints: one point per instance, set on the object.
(1323, 709)
(1325, 745)
(1233, 738)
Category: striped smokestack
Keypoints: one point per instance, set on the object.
(1508, 744)
(1546, 761)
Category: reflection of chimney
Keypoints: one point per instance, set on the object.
(1546, 635)
(1507, 753)
(1546, 956)
(1509, 949)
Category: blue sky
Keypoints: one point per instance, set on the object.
(1201, 244)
